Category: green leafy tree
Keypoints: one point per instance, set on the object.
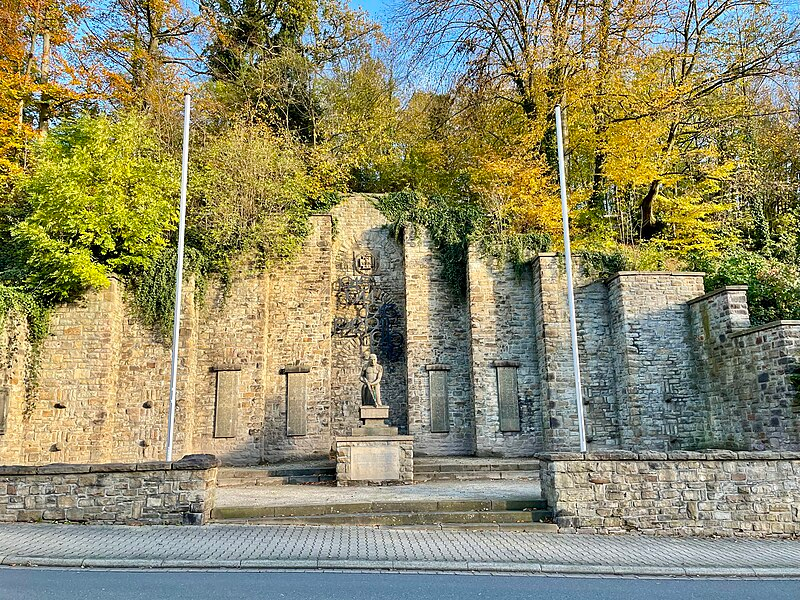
(101, 199)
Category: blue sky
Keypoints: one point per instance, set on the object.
(376, 8)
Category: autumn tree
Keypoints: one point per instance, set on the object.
(265, 57)
(34, 74)
(137, 52)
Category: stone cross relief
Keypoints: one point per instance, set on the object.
(373, 317)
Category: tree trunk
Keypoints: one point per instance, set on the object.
(44, 79)
(649, 227)
(648, 224)
(599, 180)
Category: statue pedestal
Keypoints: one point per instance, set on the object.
(374, 453)
(373, 422)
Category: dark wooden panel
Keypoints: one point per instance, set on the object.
(296, 411)
(5, 397)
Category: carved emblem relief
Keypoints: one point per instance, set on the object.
(372, 316)
(365, 263)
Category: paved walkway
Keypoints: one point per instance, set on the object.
(290, 495)
(310, 547)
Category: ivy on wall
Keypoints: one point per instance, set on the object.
(37, 318)
(454, 223)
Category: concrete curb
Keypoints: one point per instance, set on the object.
(400, 565)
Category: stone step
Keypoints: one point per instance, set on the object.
(428, 465)
(474, 468)
(533, 527)
(384, 507)
(475, 475)
(285, 474)
(274, 481)
(401, 519)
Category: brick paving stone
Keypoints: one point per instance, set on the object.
(342, 547)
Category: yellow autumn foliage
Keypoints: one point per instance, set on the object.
(521, 191)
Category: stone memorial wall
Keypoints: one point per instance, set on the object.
(437, 326)
(505, 377)
(369, 312)
(269, 367)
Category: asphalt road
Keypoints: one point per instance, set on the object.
(65, 584)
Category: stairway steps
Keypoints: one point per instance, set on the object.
(411, 506)
(473, 476)
(410, 518)
(425, 469)
(276, 475)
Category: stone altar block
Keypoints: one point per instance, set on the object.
(366, 459)
(374, 453)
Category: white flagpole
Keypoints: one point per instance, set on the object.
(176, 326)
(573, 329)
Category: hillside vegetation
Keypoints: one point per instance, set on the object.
(682, 127)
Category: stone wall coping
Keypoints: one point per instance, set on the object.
(625, 455)
(153, 465)
(723, 290)
(225, 367)
(190, 462)
(375, 438)
(764, 327)
(437, 367)
(506, 363)
(58, 468)
(295, 369)
(619, 274)
(112, 468)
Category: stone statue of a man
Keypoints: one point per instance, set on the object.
(371, 377)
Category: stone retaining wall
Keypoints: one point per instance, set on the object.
(720, 492)
(147, 493)
(746, 373)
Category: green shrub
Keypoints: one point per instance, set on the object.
(101, 199)
(251, 193)
(773, 290)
